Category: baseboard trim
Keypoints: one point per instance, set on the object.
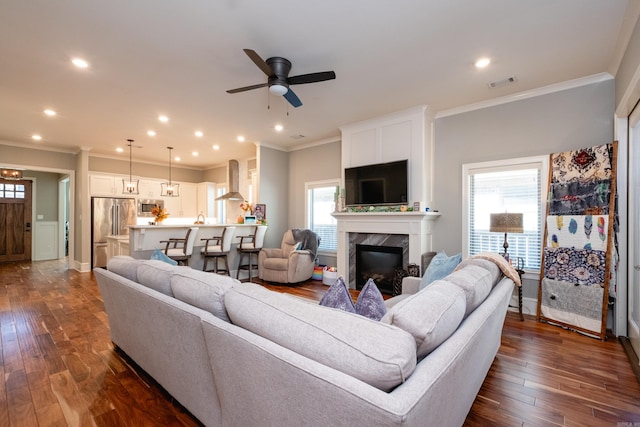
(633, 358)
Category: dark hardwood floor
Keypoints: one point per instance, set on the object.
(58, 366)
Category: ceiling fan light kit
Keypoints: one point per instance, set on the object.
(277, 70)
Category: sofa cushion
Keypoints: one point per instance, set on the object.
(124, 266)
(440, 266)
(475, 281)
(370, 302)
(376, 353)
(490, 266)
(202, 289)
(338, 296)
(430, 316)
(156, 275)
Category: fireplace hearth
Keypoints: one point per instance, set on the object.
(378, 263)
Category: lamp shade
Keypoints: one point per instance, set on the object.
(506, 223)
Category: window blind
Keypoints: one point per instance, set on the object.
(513, 189)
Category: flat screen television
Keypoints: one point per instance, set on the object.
(378, 184)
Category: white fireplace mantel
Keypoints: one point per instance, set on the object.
(417, 225)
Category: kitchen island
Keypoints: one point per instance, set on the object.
(143, 239)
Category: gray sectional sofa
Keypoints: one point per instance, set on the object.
(236, 354)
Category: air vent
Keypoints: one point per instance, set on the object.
(503, 82)
(298, 136)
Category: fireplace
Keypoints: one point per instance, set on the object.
(378, 263)
(410, 230)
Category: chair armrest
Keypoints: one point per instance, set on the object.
(173, 242)
(216, 238)
(242, 238)
(300, 252)
(411, 285)
(272, 252)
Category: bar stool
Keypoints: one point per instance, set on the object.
(180, 249)
(249, 246)
(218, 249)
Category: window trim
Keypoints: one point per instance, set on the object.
(498, 165)
(309, 185)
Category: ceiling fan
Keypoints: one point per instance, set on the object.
(277, 69)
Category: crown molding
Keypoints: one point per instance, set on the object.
(545, 90)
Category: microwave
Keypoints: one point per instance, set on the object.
(146, 205)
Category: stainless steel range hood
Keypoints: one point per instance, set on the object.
(234, 182)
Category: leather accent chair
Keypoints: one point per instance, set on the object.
(286, 264)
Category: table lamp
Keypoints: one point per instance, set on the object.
(506, 223)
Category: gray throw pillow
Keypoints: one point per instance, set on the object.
(338, 296)
(370, 302)
(440, 266)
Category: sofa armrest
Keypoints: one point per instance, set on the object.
(411, 285)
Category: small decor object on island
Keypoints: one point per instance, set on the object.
(246, 207)
(260, 211)
(159, 213)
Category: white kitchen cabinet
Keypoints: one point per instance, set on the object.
(104, 185)
(185, 205)
(149, 188)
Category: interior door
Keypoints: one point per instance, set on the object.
(15, 220)
(634, 229)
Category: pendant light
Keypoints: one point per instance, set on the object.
(169, 189)
(131, 186)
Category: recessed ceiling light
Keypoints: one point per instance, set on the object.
(482, 62)
(36, 137)
(49, 112)
(216, 147)
(80, 63)
(198, 133)
(194, 153)
(177, 159)
(119, 149)
(240, 138)
(163, 119)
(151, 132)
(278, 128)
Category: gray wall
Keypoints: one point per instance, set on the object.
(147, 170)
(561, 121)
(46, 195)
(317, 163)
(628, 67)
(273, 176)
(36, 158)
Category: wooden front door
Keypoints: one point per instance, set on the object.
(15, 220)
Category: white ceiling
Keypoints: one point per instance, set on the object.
(151, 57)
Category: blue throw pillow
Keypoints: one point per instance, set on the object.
(370, 302)
(161, 256)
(440, 266)
(338, 296)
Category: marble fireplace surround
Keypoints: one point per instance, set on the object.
(410, 229)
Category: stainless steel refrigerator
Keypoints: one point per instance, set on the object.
(109, 217)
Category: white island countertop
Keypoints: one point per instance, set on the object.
(148, 237)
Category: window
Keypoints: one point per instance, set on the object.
(12, 191)
(320, 205)
(221, 213)
(514, 186)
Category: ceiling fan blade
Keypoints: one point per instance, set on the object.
(242, 89)
(292, 98)
(311, 78)
(259, 62)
